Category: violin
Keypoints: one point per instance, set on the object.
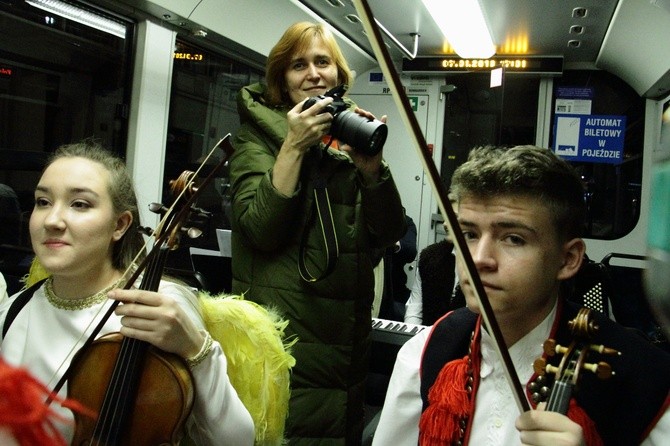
(142, 395)
(572, 363)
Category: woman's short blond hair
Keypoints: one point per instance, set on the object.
(296, 39)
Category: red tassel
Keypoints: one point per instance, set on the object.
(23, 411)
(579, 416)
(448, 402)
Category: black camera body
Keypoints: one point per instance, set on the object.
(365, 135)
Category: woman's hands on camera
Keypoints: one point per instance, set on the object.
(307, 128)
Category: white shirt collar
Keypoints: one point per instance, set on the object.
(523, 353)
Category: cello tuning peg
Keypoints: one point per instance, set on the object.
(158, 208)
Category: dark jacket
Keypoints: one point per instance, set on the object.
(395, 279)
(437, 269)
(330, 317)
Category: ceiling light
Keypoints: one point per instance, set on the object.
(83, 16)
(463, 25)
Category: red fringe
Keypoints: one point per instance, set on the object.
(579, 416)
(23, 411)
(448, 405)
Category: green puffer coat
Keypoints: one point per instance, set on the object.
(330, 317)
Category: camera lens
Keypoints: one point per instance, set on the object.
(366, 136)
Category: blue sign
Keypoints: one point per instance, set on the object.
(590, 138)
(376, 77)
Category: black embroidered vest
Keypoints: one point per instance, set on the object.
(623, 407)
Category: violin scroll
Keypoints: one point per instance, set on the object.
(185, 222)
(573, 360)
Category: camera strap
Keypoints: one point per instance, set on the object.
(325, 216)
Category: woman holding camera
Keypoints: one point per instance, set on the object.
(313, 265)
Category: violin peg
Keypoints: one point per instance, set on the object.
(192, 232)
(145, 230)
(605, 350)
(539, 366)
(549, 347)
(602, 369)
(201, 212)
(551, 369)
(157, 208)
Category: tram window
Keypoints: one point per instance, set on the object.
(202, 110)
(613, 191)
(60, 82)
(477, 115)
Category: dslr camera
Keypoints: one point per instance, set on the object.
(365, 135)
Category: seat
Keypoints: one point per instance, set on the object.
(630, 305)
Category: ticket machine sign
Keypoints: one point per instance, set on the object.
(590, 138)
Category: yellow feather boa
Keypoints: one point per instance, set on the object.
(259, 357)
(35, 273)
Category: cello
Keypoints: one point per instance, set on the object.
(141, 395)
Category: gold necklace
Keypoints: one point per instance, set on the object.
(76, 304)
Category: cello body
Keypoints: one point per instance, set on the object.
(163, 400)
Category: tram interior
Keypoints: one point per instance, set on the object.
(62, 81)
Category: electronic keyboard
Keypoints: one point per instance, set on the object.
(393, 332)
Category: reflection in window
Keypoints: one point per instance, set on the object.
(613, 191)
(60, 82)
(477, 115)
(203, 110)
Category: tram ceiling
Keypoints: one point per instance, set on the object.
(518, 27)
(619, 36)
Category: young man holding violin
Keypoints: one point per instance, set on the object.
(521, 211)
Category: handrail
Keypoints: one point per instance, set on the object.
(397, 43)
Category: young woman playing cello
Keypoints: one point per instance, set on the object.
(84, 231)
